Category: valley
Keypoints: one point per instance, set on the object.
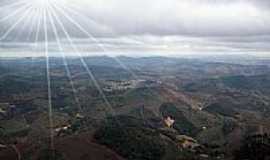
(151, 108)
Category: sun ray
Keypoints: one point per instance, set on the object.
(70, 7)
(24, 26)
(15, 25)
(93, 39)
(84, 63)
(38, 29)
(103, 48)
(14, 4)
(33, 22)
(36, 33)
(65, 62)
(14, 13)
(45, 27)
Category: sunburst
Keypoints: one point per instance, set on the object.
(44, 17)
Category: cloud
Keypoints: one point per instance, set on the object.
(171, 26)
(184, 17)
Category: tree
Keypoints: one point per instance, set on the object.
(256, 147)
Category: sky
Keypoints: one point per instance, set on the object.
(134, 27)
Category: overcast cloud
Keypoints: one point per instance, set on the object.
(144, 27)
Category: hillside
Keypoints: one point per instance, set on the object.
(120, 113)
